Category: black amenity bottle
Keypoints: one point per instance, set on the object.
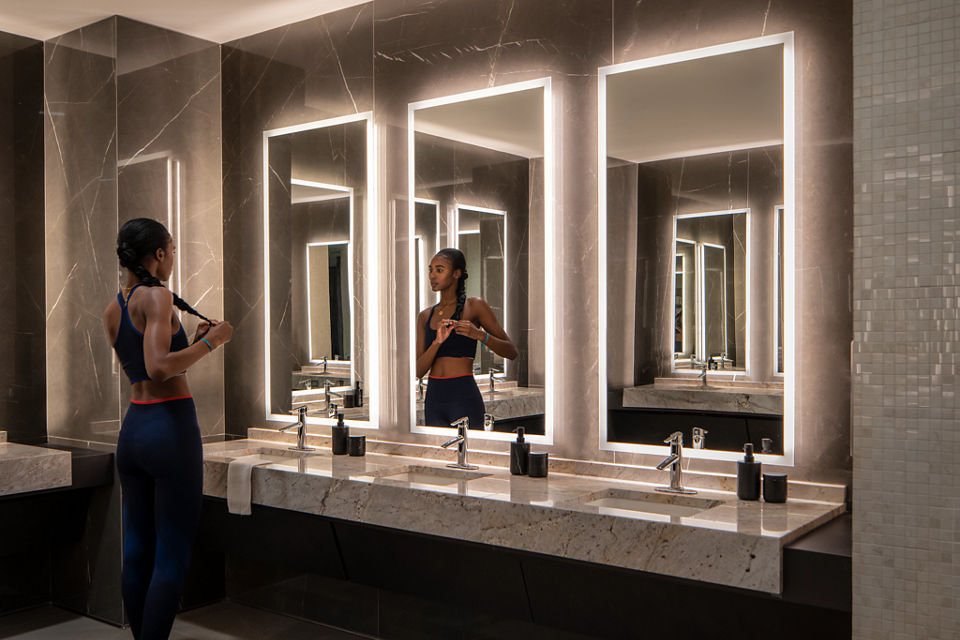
(748, 475)
(339, 434)
(519, 451)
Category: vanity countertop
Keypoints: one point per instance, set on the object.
(716, 396)
(710, 537)
(26, 468)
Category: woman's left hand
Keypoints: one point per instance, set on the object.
(203, 327)
(467, 328)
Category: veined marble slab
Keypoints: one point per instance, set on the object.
(732, 542)
(24, 468)
(653, 396)
(507, 402)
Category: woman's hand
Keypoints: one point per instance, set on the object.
(467, 328)
(203, 328)
(444, 331)
(220, 333)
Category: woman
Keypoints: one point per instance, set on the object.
(159, 455)
(447, 336)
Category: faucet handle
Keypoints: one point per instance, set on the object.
(462, 423)
(675, 438)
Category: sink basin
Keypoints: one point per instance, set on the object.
(436, 476)
(647, 505)
(717, 383)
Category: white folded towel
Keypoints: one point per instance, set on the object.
(238, 482)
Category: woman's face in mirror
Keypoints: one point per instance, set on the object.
(442, 274)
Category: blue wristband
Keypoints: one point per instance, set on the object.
(487, 338)
(207, 342)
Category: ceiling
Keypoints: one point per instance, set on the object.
(214, 20)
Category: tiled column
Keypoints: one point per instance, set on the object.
(906, 474)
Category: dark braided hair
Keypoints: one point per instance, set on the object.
(142, 237)
(458, 261)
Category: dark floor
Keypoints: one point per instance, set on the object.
(222, 621)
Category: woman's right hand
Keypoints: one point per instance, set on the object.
(443, 331)
(220, 333)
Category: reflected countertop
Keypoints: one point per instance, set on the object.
(26, 468)
(711, 537)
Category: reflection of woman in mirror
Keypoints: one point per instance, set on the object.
(159, 455)
(447, 336)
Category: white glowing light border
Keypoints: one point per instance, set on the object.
(422, 266)
(370, 264)
(353, 328)
(506, 248)
(789, 191)
(779, 212)
(699, 342)
(549, 250)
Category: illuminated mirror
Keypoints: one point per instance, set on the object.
(319, 302)
(696, 186)
(480, 181)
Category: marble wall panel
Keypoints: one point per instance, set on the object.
(823, 62)
(22, 336)
(80, 166)
(312, 70)
(168, 137)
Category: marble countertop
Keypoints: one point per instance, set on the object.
(712, 538)
(715, 396)
(26, 468)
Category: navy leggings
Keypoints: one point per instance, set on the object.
(160, 460)
(450, 399)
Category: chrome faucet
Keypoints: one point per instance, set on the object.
(301, 425)
(461, 441)
(703, 370)
(488, 421)
(420, 386)
(699, 437)
(332, 409)
(674, 460)
(490, 372)
(324, 364)
(327, 393)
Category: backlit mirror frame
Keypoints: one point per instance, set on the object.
(549, 252)
(370, 264)
(789, 193)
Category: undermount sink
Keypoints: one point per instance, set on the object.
(647, 505)
(439, 476)
(717, 383)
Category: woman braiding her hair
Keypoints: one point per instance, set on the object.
(447, 337)
(159, 454)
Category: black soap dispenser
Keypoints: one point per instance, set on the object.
(357, 394)
(519, 452)
(748, 475)
(339, 434)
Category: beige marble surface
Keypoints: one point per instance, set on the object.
(710, 398)
(24, 468)
(726, 541)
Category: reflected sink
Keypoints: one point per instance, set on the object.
(718, 383)
(647, 505)
(437, 476)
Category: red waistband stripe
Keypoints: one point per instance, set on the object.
(160, 400)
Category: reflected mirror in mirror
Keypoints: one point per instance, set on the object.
(696, 162)
(712, 245)
(317, 220)
(478, 176)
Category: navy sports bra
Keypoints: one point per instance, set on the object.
(455, 346)
(129, 343)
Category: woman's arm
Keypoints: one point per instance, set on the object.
(426, 355)
(161, 363)
(498, 342)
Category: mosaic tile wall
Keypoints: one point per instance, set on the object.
(906, 557)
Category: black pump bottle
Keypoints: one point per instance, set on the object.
(748, 475)
(519, 451)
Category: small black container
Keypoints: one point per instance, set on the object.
(748, 475)
(348, 400)
(357, 445)
(339, 434)
(357, 394)
(537, 464)
(775, 487)
(519, 452)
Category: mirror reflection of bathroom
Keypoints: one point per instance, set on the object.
(317, 187)
(694, 184)
(478, 186)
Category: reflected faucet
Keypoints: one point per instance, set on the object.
(699, 437)
(461, 441)
(420, 387)
(488, 421)
(324, 364)
(674, 460)
(703, 370)
(301, 425)
(327, 393)
(490, 372)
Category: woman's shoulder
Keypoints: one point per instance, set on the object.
(475, 302)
